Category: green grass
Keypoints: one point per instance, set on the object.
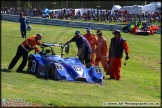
(140, 78)
(101, 22)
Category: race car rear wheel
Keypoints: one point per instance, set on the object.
(52, 72)
(126, 30)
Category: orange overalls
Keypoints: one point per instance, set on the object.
(102, 53)
(151, 30)
(91, 38)
(134, 30)
(116, 54)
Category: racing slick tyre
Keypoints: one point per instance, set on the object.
(125, 30)
(32, 66)
(52, 72)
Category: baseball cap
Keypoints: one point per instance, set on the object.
(116, 32)
(98, 32)
(88, 29)
(77, 33)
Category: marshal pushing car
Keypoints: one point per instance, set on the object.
(128, 28)
(56, 67)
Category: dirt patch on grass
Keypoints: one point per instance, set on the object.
(153, 65)
(156, 68)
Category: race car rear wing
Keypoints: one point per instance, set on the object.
(52, 44)
(57, 45)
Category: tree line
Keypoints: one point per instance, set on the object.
(70, 4)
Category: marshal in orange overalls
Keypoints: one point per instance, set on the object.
(91, 38)
(102, 51)
(117, 45)
(151, 31)
(134, 29)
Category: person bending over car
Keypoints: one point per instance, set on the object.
(23, 22)
(84, 48)
(23, 50)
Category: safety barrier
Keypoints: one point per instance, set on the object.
(58, 22)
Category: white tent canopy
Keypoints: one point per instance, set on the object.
(158, 4)
(115, 7)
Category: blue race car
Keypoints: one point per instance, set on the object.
(55, 67)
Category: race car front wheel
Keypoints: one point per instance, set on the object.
(52, 72)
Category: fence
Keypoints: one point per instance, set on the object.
(57, 22)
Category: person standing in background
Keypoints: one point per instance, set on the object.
(102, 51)
(117, 45)
(91, 38)
(23, 22)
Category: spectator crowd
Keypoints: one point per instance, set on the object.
(87, 15)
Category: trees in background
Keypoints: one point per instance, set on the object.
(69, 4)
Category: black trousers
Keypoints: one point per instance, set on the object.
(20, 53)
(85, 57)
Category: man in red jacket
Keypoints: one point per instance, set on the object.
(117, 45)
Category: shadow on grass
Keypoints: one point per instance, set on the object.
(23, 72)
(5, 70)
(34, 74)
(44, 78)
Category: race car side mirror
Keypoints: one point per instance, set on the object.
(67, 48)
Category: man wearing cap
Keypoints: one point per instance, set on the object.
(117, 45)
(91, 38)
(23, 49)
(102, 51)
(23, 21)
(84, 48)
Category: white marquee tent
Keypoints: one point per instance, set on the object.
(115, 7)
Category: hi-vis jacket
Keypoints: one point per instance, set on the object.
(31, 43)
